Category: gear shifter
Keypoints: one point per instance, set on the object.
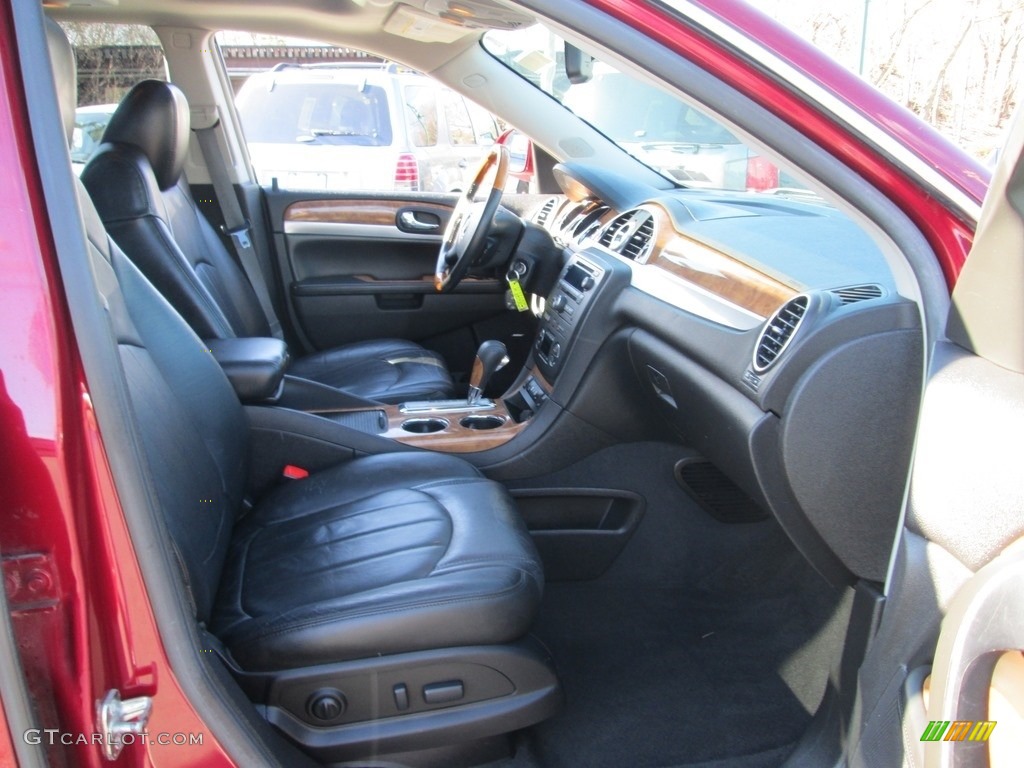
(490, 358)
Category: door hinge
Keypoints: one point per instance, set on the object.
(116, 719)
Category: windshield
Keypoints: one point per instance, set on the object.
(664, 132)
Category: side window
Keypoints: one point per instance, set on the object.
(456, 115)
(318, 116)
(111, 58)
(421, 114)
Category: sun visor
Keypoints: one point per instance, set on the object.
(414, 24)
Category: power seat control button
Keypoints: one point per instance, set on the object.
(443, 693)
(326, 704)
(401, 697)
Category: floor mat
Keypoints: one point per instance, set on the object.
(671, 677)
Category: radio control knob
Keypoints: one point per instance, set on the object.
(558, 303)
(587, 283)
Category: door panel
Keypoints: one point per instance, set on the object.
(359, 266)
(953, 602)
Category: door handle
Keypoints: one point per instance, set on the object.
(409, 221)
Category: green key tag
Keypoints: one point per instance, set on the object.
(522, 305)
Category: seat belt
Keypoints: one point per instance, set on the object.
(235, 223)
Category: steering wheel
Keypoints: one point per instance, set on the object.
(466, 234)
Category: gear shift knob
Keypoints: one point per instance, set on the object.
(490, 358)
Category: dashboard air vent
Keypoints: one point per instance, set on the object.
(856, 293)
(778, 332)
(639, 245)
(630, 234)
(611, 231)
(544, 213)
(588, 224)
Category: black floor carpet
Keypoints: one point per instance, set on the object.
(705, 646)
(666, 677)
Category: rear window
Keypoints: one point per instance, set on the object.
(273, 112)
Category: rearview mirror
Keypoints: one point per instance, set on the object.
(579, 66)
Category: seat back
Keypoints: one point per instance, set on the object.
(136, 182)
(192, 427)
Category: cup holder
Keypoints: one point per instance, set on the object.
(482, 422)
(424, 426)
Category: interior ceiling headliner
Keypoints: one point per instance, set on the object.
(354, 23)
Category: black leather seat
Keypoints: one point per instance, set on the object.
(363, 573)
(384, 554)
(136, 182)
(387, 554)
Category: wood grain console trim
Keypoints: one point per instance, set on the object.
(715, 271)
(455, 438)
(372, 212)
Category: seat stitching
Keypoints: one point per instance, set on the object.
(442, 483)
(339, 506)
(509, 560)
(392, 609)
(353, 563)
(381, 529)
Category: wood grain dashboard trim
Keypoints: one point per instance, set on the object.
(715, 271)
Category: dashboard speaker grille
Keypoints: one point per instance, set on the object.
(857, 293)
(778, 332)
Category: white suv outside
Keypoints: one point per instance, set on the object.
(361, 127)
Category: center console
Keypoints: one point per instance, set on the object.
(304, 423)
(566, 307)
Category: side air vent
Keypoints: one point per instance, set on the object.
(778, 332)
(856, 293)
(544, 213)
(631, 235)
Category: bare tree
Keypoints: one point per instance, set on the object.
(896, 42)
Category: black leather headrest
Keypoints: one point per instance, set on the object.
(65, 75)
(154, 117)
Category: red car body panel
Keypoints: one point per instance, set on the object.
(78, 604)
(80, 607)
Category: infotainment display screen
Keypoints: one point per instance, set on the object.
(575, 276)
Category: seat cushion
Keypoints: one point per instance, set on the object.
(381, 555)
(386, 370)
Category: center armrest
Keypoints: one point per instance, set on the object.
(254, 366)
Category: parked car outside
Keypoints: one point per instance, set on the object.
(90, 122)
(361, 127)
(673, 137)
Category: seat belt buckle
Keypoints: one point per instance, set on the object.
(240, 235)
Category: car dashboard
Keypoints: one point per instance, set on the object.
(763, 332)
